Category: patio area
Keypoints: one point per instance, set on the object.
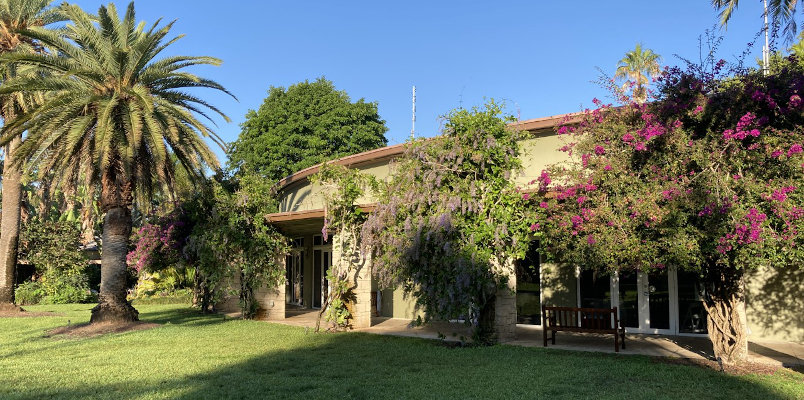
(787, 354)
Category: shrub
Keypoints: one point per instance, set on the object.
(28, 293)
(60, 277)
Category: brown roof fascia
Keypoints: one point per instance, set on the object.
(309, 214)
(348, 161)
(552, 121)
(530, 125)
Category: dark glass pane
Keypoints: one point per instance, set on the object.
(316, 240)
(659, 300)
(326, 269)
(317, 278)
(289, 279)
(595, 290)
(528, 290)
(629, 293)
(691, 312)
(300, 274)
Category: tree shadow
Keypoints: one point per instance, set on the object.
(182, 316)
(776, 302)
(356, 365)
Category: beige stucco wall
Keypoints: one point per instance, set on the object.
(775, 304)
(306, 196)
(559, 285)
(396, 304)
(537, 152)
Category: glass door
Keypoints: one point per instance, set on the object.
(643, 301)
(528, 288)
(317, 278)
(691, 312)
(295, 278)
(322, 260)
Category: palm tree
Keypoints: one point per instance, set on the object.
(637, 67)
(15, 16)
(114, 115)
(780, 11)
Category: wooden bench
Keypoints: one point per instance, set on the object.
(587, 320)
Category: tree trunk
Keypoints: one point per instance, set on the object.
(43, 209)
(726, 322)
(116, 199)
(248, 306)
(484, 332)
(10, 222)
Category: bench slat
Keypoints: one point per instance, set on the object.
(582, 319)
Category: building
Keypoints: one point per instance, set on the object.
(666, 303)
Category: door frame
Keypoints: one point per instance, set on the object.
(326, 249)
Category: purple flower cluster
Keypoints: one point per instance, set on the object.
(744, 129)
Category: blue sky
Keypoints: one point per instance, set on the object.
(539, 57)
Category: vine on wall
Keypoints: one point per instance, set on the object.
(342, 188)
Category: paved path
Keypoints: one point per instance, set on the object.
(787, 354)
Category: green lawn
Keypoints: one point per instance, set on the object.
(194, 357)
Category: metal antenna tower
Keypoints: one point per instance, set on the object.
(413, 122)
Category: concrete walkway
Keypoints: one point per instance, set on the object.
(787, 354)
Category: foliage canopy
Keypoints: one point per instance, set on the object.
(303, 125)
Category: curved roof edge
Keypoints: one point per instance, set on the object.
(348, 161)
(397, 149)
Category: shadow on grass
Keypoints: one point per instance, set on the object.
(371, 366)
(174, 316)
(181, 316)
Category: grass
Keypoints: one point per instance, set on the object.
(192, 356)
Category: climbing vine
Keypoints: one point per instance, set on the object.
(341, 189)
(451, 221)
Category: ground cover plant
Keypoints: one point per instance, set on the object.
(196, 356)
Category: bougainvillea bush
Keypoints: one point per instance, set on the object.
(159, 244)
(707, 178)
(451, 220)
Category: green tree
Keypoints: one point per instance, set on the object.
(114, 112)
(303, 125)
(15, 16)
(637, 68)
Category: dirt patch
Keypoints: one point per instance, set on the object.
(15, 311)
(743, 369)
(98, 329)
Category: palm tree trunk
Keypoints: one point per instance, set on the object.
(112, 305)
(10, 222)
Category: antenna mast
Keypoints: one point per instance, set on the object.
(413, 124)
(766, 48)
